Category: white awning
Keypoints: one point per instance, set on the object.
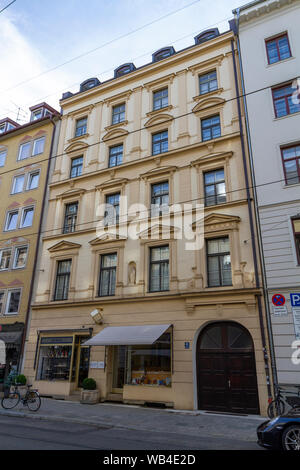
(125, 335)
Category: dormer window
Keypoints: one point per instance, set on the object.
(206, 35)
(2, 128)
(38, 114)
(123, 69)
(163, 53)
(88, 84)
(7, 124)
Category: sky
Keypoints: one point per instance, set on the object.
(51, 47)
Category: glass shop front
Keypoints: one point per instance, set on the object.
(143, 364)
(63, 358)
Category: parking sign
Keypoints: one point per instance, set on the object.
(295, 299)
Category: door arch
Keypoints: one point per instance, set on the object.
(226, 371)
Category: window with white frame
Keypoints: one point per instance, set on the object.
(5, 256)
(33, 180)
(11, 220)
(20, 257)
(24, 151)
(27, 217)
(2, 157)
(31, 148)
(18, 184)
(38, 146)
(2, 294)
(13, 302)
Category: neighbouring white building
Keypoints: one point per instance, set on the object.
(269, 48)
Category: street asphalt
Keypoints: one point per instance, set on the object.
(72, 425)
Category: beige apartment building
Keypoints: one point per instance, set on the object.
(25, 163)
(121, 296)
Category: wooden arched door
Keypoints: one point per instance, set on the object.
(226, 371)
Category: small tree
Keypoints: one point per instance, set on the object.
(89, 384)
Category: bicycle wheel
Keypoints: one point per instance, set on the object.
(11, 401)
(33, 401)
(275, 408)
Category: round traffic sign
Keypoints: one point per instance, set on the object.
(278, 300)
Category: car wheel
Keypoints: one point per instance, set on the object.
(291, 438)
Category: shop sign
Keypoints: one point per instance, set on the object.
(97, 365)
(57, 340)
(296, 315)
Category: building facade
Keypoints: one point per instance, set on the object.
(24, 165)
(121, 295)
(269, 44)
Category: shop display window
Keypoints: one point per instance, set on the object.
(54, 362)
(150, 364)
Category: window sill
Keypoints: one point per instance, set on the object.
(280, 62)
(286, 116)
(76, 138)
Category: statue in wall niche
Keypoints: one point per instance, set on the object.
(131, 273)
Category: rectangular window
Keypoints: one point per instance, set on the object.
(33, 180)
(218, 262)
(115, 155)
(76, 167)
(149, 364)
(118, 113)
(24, 151)
(38, 146)
(38, 114)
(20, 257)
(214, 187)
(71, 211)
(160, 99)
(112, 209)
(107, 280)
(159, 198)
(5, 256)
(2, 294)
(208, 82)
(2, 157)
(55, 360)
(159, 269)
(81, 127)
(291, 164)
(27, 217)
(160, 142)
(278, 48)
(62, 280)
(13, 302)
(211, 128)
(296, 229)
(11, 220)
(18, 184)
(285, 101)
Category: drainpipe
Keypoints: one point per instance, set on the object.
(26, 326)
(252, 230)
(259, 237)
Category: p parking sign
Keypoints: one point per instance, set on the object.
(295, 299)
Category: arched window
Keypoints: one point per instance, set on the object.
(163, 53)
(206, 35)
(123, 69)
(90, 83)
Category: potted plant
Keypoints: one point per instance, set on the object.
(21, 380)
(90, 395)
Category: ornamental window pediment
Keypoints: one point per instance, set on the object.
(212, 103)
(159, 119)
(64, 246)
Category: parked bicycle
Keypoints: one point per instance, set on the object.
(277, 406)
(31, 398)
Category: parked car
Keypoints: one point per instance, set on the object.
(282, 432)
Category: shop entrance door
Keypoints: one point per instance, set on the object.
(119, 363)
(226, 372)
(81, 361)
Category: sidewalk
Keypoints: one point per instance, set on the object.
(139, 418)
